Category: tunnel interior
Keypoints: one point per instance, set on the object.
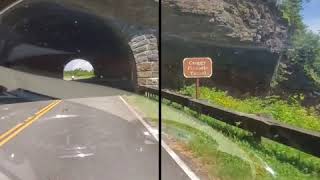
(41, 37)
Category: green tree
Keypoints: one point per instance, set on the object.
(303, 53)
(291, 12)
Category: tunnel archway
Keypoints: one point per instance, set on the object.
(43, 36)
(78, 69)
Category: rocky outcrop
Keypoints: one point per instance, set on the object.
(250, 21)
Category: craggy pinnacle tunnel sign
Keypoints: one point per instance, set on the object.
(197, 67)
(200, 67)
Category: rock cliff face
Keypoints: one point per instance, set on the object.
(248, 21)
(244, 37)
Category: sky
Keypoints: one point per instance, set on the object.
(78, 64)
(311, 15)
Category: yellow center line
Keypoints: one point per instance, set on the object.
(20, 124)
(10, 131)
(7, 136)
(45, 107)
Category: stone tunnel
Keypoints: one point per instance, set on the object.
(119, 38)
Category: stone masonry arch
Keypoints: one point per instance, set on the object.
(146, 55)
(107, 40)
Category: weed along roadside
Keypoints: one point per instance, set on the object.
(287, 111)
(215, 149)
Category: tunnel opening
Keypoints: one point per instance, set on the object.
(78, 70)
(42, 37)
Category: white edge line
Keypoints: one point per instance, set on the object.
(10, 6)
(173, 155)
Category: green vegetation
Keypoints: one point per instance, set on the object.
(227, 152)
(287, 163)
(78, 74)
(305, 55)
(302, 58)
(289, 112)
(291, 12)
(199, 138)
(147, 107)
(204, 147)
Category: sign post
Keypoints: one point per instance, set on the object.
(197, 88)
(200, 67)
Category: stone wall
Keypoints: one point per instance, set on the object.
(145, 51)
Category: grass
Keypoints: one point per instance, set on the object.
(148, 107)
(289, 112)
(227, 152)
(287, 163)
(217, 163)
(78, 74)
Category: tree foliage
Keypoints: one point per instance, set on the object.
(304, 45)
(291, 12)
(305, 54)
(79, 72)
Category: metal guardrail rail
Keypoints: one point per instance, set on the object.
(298, 138)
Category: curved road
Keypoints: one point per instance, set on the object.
(81, 139)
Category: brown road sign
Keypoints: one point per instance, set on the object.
(197, 67)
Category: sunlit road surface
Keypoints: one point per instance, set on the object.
(81, 139)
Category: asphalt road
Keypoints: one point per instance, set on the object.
(81, 139)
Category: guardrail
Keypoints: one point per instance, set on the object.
(301, 139)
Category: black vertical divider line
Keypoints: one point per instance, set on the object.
(159, 95)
